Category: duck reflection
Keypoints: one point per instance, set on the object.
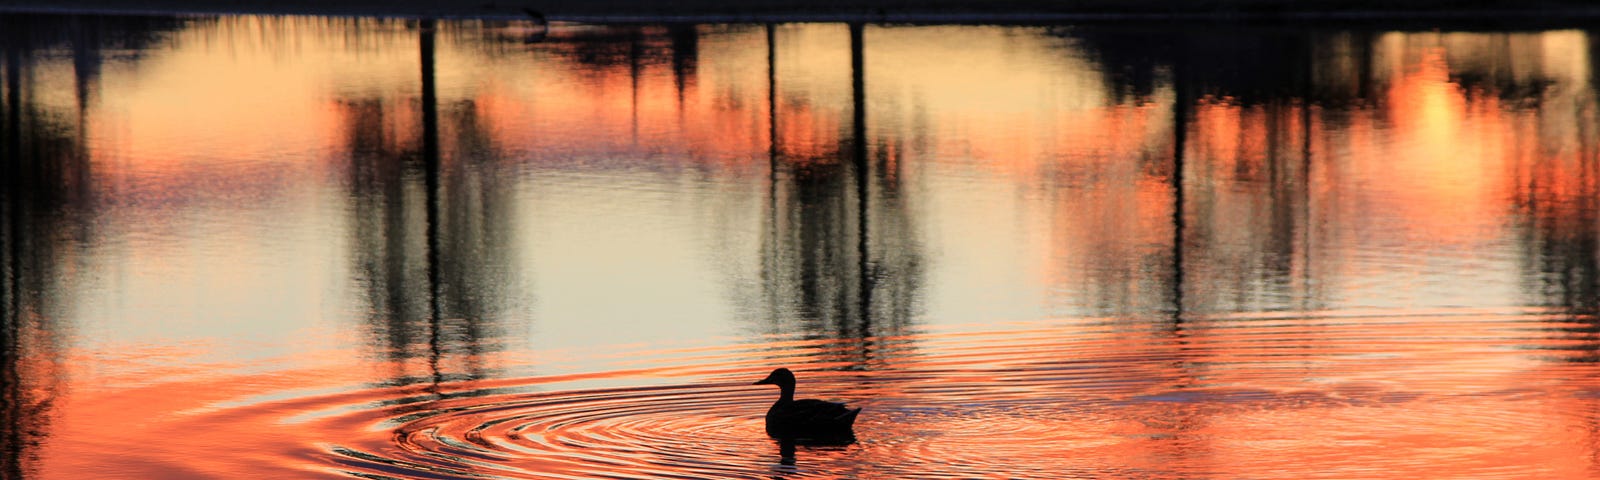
(788, 448)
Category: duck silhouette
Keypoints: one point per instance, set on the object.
(806, 418)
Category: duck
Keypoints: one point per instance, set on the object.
(805, 418)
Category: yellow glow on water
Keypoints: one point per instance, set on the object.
(231, 92)
(1432, 110)
(1011, 100)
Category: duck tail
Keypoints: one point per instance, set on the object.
(850, 416)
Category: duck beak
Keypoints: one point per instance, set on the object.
(764, 381)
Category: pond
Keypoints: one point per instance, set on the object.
(339, 247)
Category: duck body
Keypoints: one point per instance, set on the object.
(810, 418)
(806, 418)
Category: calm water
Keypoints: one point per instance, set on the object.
(265, 247)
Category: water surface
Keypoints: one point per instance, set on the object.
(310, 247)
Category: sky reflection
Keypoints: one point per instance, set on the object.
(1169, 243)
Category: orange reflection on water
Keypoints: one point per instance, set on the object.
(1449, 153)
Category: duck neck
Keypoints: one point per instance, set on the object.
(785, 392)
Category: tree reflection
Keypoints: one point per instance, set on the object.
(1277, 192)
(432, 225)
(46, 210)
(1266, 172)
(1556, 197)
(840, 256)
(1240, 156)
(37, 201)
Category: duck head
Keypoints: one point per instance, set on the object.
(782, 377)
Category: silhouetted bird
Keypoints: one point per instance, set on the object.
(808, 418)
(539, 22)
(535, 15)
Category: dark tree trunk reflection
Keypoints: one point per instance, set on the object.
(46, 210)
(841, 259)
(432, 232)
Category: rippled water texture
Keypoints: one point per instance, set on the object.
(296, 247)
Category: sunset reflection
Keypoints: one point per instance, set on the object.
(299, 246)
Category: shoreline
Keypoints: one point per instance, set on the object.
(868, 11)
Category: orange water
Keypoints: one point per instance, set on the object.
(1292, 396)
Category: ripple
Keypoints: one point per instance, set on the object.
(1291, 395)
